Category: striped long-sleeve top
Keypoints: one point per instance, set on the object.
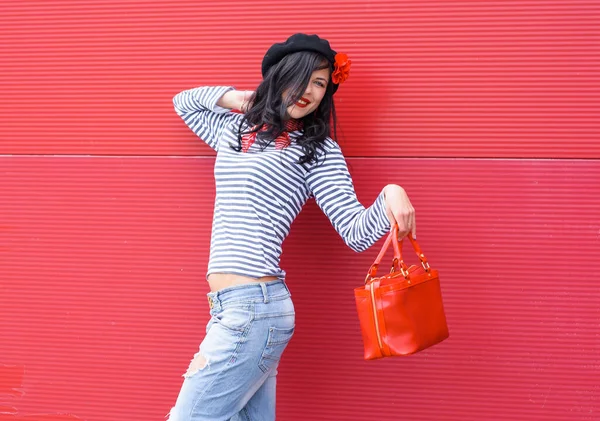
(259, 193)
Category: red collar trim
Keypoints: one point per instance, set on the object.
(282, 141)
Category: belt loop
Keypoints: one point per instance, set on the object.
(286, 288)
(213, 300)
(263, 286)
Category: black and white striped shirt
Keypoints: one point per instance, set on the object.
(259, 193)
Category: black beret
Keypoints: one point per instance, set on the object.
(295, 43)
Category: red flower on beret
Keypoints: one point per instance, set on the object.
(341, 69)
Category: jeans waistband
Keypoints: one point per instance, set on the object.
(259, 291)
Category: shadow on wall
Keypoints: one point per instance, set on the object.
(11, 383)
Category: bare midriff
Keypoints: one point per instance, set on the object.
(218, 281)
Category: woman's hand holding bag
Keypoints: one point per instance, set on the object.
(400, 210)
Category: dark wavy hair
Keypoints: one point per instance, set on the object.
(269, 108)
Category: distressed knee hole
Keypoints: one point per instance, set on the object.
(198, 363)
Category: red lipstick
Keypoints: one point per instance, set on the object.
(303, 104)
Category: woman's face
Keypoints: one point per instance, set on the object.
(314, 93)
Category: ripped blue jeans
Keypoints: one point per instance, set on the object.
(233, 376)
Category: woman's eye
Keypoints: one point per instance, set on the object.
(320, 84)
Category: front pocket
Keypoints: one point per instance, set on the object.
(277, 341)
(234, 318)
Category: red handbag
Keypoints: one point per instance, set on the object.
(401, 312)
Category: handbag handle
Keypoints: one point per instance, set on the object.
(398, 262)
(392, 238)
(419, 252)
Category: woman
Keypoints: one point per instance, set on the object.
(270, 161)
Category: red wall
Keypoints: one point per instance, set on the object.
(486, 112)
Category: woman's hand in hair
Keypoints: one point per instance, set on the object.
(237, 100)
(399, 210)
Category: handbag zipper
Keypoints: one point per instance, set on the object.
(375, 317)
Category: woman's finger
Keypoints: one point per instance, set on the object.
(414, 226)
(403, 224)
